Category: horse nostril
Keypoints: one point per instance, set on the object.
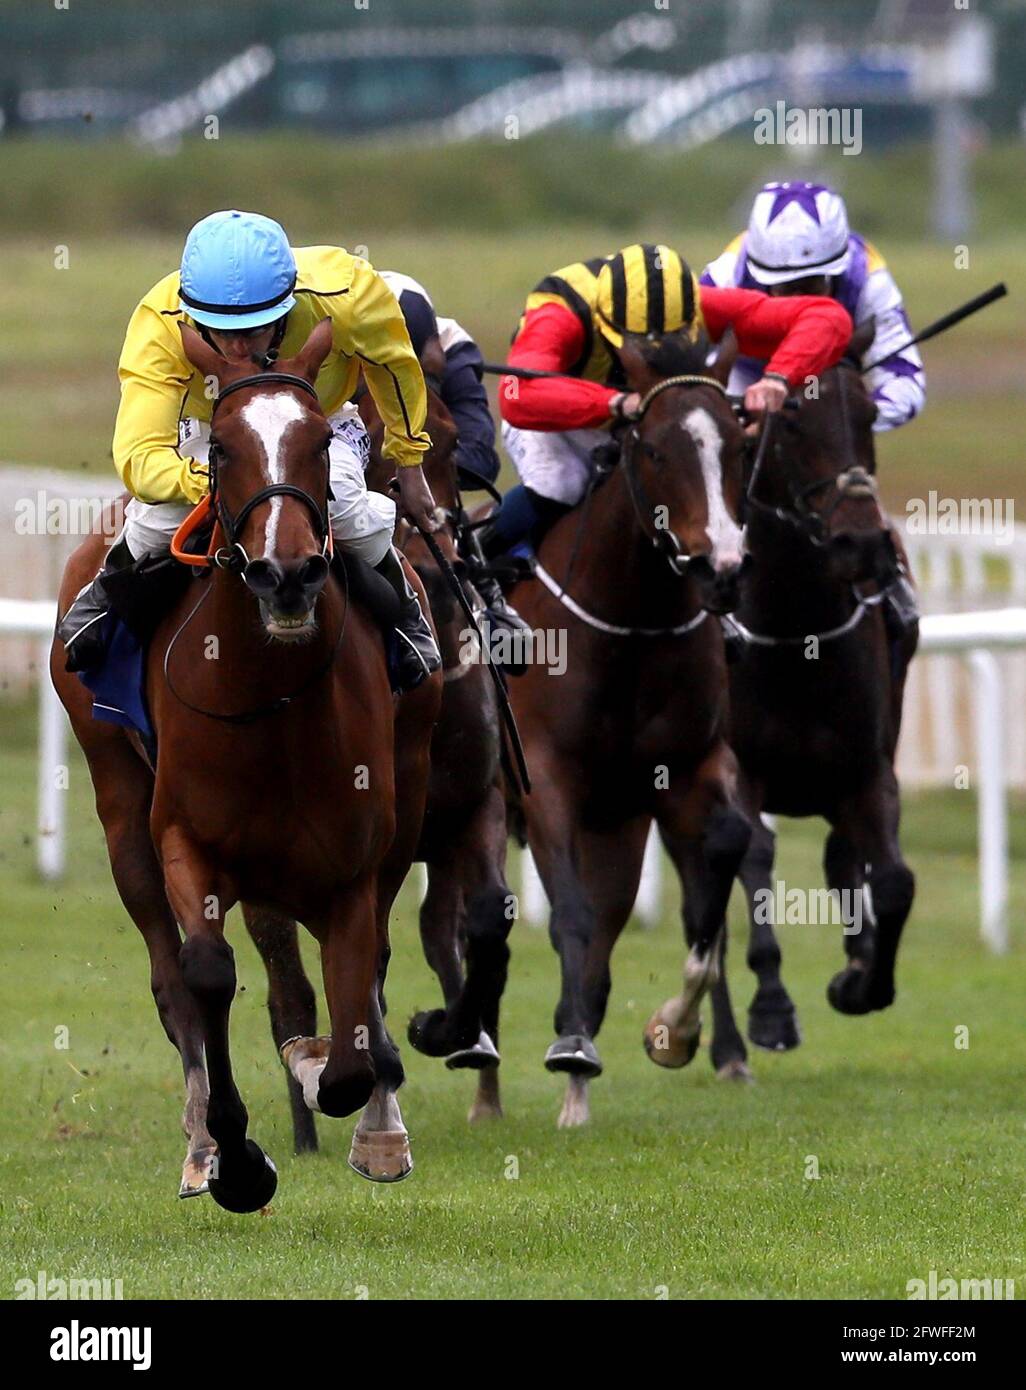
(313, 573)
(262, 576)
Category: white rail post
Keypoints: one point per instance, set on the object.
(649, 902)
(53, 754)
(990, 797)
(534, 905)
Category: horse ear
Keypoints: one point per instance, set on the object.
(726, 354)
(639, 374)
(203, 357)
(310, 358)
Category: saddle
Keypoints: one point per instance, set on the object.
(144, 592)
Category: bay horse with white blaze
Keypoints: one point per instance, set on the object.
(637, 730)
(285, 779)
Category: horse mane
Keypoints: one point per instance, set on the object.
(674, 354)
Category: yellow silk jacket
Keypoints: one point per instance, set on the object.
(160, 387)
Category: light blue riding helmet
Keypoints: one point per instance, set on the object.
(238, 271)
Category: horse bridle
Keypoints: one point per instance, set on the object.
(852, 482)
(662, 538)
(233, 555)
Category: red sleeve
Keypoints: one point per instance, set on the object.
(551, 340)
(801, 334)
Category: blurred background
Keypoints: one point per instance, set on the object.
(477, 147)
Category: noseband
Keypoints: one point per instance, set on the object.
(233, 556)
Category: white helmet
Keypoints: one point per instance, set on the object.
(797, 229)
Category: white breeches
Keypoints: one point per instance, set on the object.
(557, 466)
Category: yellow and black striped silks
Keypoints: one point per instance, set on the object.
(648, 290)
(643, 289)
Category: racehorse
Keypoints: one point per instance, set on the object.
(817, 694)
(468, 909)
(466, 914)
(284, 779)
(637, 728)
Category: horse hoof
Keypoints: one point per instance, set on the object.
(196, 1173)
(574, 1054)
(381, 1155)
(847, 992)
(247, 1191)
(774, 1031)
(484, 1110)
(735, 1070)
(667, 1044)
(427, 1033)
(477, 1058)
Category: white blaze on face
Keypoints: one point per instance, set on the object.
(723, 532)
(269, 418)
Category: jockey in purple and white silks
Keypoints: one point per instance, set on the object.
(798, 242)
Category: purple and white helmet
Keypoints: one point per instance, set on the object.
(796, 229)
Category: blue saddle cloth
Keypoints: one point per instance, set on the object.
(117, 684)
(118, 687)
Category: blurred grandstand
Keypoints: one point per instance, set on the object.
(103, 65)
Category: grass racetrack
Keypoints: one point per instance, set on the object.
(683, 1186)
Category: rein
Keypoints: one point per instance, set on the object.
(863, 604)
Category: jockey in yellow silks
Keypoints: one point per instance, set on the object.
(253, 297)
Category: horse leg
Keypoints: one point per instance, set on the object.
(772, 1019)
(487, 920)
(380, 1149)
(337, 1074)
(706, 835)
(291, 1004)
(243, 1178)
(553, 817)
(611, 865)
(431, 1031)
(870, 823)
(728, 1054)
(124, 791)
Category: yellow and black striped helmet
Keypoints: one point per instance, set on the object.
(649, 290)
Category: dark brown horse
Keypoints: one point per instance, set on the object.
(636, 729)
(468, 910)
(817, 694)
(285, 779)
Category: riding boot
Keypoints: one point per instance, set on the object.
(901, 608)
(523, 515)
(82, 629)
(500, 613)
(418, 653)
